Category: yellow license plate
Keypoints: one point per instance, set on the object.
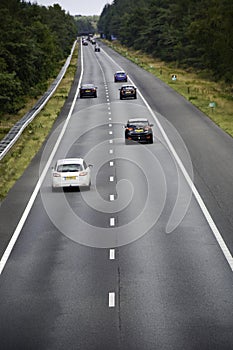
(139, 130)
(87, 90)
(70, 178)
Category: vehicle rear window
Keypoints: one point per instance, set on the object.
(138, 124)
(64, 168)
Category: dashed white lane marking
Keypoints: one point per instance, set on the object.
(111, 178)
(112, 197)
(110, 125)
(109, 108)
(112, 222)
(111, 299)
(111, 163)
(111, 151)
(110, 132)
(107, 99)
(110, 141)
(112, 254)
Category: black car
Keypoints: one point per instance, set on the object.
(88, 90)
(97, 48)
(128, 91)
(138, 129)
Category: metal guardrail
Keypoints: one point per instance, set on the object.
(8, 141)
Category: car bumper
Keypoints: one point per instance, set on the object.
(139, 137)
(127, 96)
(120, 80)
(61, 182)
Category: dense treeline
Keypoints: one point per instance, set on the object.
(33, 39)
(196, 33)
(86, 24)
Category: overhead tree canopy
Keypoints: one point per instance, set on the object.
(195, 33)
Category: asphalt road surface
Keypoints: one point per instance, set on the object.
(136, 262)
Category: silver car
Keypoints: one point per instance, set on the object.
(71, 172)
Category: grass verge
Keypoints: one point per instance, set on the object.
(194, 86)
(18, 158)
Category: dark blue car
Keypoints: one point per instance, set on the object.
(120, 76)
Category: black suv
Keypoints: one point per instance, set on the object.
(128, 91)
(138, 129)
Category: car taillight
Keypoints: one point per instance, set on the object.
(83, 173)
(130, 129)
(147, 128)
(56, 175)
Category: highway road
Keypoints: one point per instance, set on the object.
(142, 260)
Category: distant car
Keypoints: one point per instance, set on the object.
(88, 90)
(85, 43)
(128, 91)
(71, 172)
(97, 48)
(138, 129)
(93, 41)
(120, 76)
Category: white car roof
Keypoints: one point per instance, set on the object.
(120, 71)
(70, 161)
(136, 120)
(127, 85)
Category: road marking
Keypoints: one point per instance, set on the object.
(111, 299)
(112, 222)
(194, 190)
(27, 210)
(111, 151)
(199, 200)
(112, 197)
(112, 254)
(110, 132)
(109, 107)
(111, 163)
(111, 178)
(110, 141)
(110, 125)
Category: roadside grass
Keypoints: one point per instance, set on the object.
(18, 158)
(197, 87)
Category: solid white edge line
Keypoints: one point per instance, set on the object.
(19, 227)
(111, 299)
(193, 188)
(196, 194)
